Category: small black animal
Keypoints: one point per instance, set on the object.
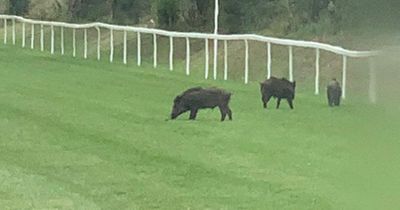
(334, 92)
(278, 88)
(197, 98)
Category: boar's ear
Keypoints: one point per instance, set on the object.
(177, 99)
(294, 84)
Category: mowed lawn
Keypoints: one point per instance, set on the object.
(78, 134)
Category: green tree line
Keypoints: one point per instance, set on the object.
(236, 16)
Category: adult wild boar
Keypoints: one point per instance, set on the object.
(277, 88)
(197, 98)
(334, 92)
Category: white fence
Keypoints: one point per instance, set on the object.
(191, 35)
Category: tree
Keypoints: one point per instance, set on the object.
(167, 13)
(4, 5)
(18, 7)
(129, 11)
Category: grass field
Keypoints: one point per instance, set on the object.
(80, 134)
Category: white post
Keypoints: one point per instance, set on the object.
(52, 39)
(98, 43)
(85, 44)
(269, 62)
(13, 31)
(246, 68)
(215, 58)
(139, 57)
(225, 60)
(5, 31)
(32, 36)
(62, 40)
(41, 38)
(216, 17)
(171, 53)
(215, 40)
(111, 45)
(125, 47)
(317, 72)
(23, 34)
(187, 56)
(291, 63)
(372, 81)
(206, 70)
(155, 50)
(74, 42)
(344, 77)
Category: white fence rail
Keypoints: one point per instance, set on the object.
(190, 35)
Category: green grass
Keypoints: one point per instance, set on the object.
(80, 134)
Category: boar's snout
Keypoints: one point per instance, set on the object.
(173, 116)
(177, 110)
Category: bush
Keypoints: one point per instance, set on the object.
(48, 9)
(4, 6)
(18, 7)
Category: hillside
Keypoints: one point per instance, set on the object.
(94, 135)
(304, 59)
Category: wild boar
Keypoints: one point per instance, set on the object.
(277, 88)
(334, 92)
(197, 98)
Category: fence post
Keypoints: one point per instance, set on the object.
(317, 55)
(52, 39)
(13, 31)
(23, 34)
(62, 40)
(187, 56)
(139, 57)
(111, 45)
(98, 43)
(155, 50)
(41, 38)
(85, 44)
(215, 58)
(246, 68)
(372, 81)
(74, 42)
(125, 47)
(207, 62)
(344, 76)
(269, 62)
(291, 63)
(225, 60)
(32, 36)
(5, 31)
(216, 40)
(171, 53)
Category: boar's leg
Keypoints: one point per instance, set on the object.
(337, 101)
(193, 114)
(223, 111)
(265, 100)
(330, 100)
(278, 103)
(290, 101)
(229, 113)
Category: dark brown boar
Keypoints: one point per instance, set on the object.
(197, 98)
(334, 92)
(277, 88)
